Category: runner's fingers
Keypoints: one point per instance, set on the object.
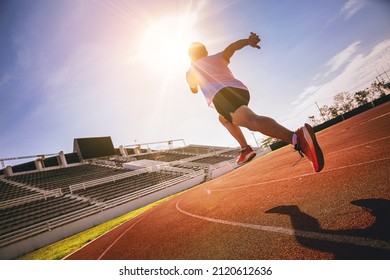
(254, 36)
(254, 39)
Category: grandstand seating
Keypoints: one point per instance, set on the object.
(164, 156)
(231, 153)
(10, 192)
(214, 159)
(35, 201)
(114, 189)
(63, 177)
(31, 213)
(195, 149)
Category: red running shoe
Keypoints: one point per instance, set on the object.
(308, 145)
(247, 154)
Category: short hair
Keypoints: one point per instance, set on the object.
(197, 50)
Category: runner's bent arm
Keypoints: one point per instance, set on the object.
(192, 82)
(252, 41)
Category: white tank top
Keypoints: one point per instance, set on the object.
(212, 74)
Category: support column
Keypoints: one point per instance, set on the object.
(63, 161)
(123, 151)
(8, 171)
(38, 164)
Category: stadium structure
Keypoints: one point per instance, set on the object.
(58, 195)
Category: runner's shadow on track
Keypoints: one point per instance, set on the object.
(309, 233)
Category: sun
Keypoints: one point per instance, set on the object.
(164, 43)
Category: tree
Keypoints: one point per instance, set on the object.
(343, 102)
(361, 97)
(313, 120)
(376, 90)
(266, 142)
(329, 112)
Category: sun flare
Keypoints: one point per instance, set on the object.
(164, 43)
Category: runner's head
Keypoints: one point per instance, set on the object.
(196, 51)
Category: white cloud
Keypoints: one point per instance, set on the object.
(358, 74)
(351, 7)
(332, 65)
(341, 58)
(308, 91)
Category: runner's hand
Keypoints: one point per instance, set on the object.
(253, 40)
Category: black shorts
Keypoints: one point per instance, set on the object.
(229, 99)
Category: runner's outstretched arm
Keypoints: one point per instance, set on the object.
(252, 41)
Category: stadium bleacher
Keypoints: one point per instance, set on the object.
(214, 159)
(28, 214)
(11, 192)
(114, 189)
(36, 201)
(63, 177)
(164, 156)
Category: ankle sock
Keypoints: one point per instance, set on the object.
(294, 139)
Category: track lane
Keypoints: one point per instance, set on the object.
(269, 192)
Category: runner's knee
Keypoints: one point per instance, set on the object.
(223, 120)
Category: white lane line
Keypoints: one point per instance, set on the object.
(103, 235)
(357, 146)
(296, 177)
(354, 240)
(120, 236)
(378, 117)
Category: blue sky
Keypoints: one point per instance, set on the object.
(72, 69)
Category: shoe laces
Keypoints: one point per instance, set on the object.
(299, 150)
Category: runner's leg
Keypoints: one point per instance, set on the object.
(245, 117)
(235, 131)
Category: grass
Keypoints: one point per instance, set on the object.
(62, 248)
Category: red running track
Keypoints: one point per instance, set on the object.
(268, 209)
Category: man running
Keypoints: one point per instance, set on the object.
(230, 97)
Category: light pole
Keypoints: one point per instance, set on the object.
(320, 111)
(255, 139)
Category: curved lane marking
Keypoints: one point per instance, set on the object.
(354, 240)
(120, 236)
